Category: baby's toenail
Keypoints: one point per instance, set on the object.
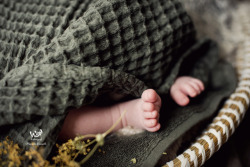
(184, 100)
(149, 95)
(152, 114)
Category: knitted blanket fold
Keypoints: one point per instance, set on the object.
(60, 54)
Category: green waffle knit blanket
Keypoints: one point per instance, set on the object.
(60, 54)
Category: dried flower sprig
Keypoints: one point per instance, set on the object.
(99, 138)
(69, 151)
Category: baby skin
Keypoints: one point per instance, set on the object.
(142, 113)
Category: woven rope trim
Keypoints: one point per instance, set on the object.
(228, 118)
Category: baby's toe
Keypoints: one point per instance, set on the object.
(155, 128)
(195, 87)
(149, 95)
(150, 115)
(179, 97)
(199, 83)
(148, 106)
(189, 90)
(150, 123)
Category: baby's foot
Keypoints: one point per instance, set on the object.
(150, 105)
(184, 87)
(143, 113)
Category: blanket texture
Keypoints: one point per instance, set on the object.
(60, 54)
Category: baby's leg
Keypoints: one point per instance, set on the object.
(185, 87)
(141, 113)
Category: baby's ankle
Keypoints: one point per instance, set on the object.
(116, 112)
(131, 108)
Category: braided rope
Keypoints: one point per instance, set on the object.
(229, 117)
